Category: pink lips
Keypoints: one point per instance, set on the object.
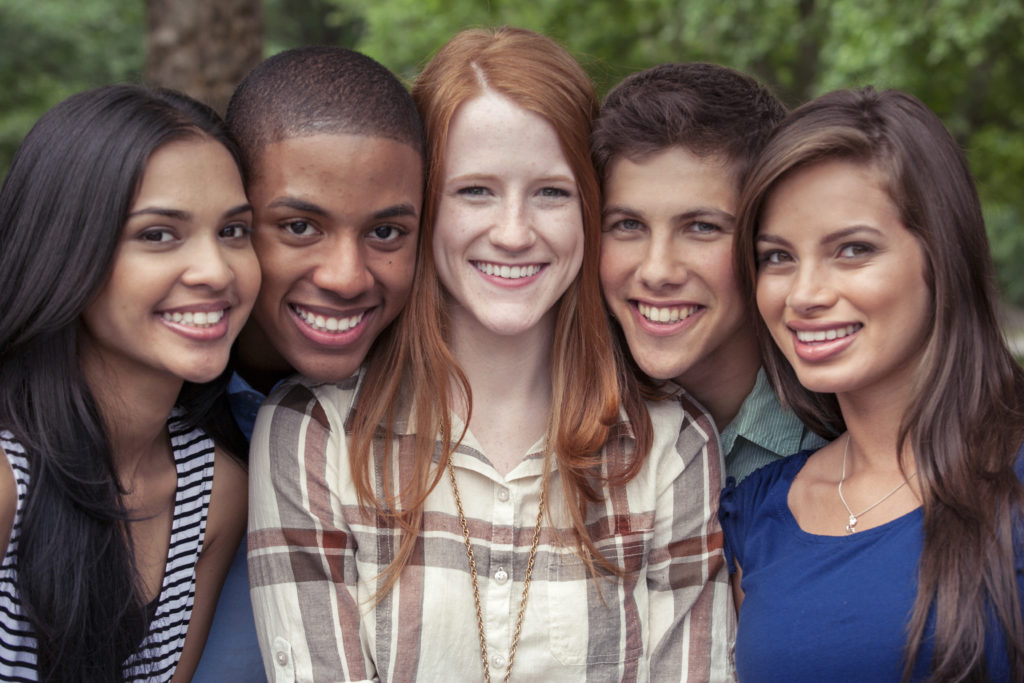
(817, 350)
(209, 333)
(492, 272)
(665, 329)
(332, 339)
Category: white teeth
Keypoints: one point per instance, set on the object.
(665, 314)
(327, 323)
(827, 335)
(507, 272)
(196, 319)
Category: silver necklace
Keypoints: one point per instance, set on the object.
(853, 518)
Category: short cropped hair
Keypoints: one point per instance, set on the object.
(316, 90)
(708, 109)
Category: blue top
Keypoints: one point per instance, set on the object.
(232, 652)
(833, 608)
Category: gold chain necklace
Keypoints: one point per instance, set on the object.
(476, 587)
(853, 518)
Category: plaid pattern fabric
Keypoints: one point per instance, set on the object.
(315, 556)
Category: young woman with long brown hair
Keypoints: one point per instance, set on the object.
(491, 497)
(895, 551)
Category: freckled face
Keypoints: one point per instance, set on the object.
(841, 282)
(337, 224)
(184, 275)
(666, 264)
(508, 238)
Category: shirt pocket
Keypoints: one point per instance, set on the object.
(604, 620)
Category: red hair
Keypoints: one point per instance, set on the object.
(589, 380)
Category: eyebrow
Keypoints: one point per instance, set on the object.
(835, 236)
(685, 216)
(181, 215)
(297, 204)
(396, 211)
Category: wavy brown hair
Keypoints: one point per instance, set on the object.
(589, 382)
(965, 422)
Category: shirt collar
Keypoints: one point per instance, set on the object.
(781, 434)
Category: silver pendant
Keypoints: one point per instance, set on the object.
(853, 523)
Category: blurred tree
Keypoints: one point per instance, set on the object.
(290, 23)
(964, 58)
(203, 48)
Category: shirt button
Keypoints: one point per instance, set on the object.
(498, 662)
(501, 576)
(282, 658)
(502, 495)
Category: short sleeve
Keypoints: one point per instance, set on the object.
(731, 518)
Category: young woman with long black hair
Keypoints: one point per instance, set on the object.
(127, 271)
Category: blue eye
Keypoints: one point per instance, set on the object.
(474, 191)
(704, 228)
(628, 225)
(556, 192)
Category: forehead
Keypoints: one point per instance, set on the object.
(328, 164)
(672, 177)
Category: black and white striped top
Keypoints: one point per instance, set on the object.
(157, 656)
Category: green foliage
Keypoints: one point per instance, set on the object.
(964, 58)
(52, 49)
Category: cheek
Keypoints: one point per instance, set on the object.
(770, 299)
(722, 278)
(394, 272)
(617, 264)
(247, 272)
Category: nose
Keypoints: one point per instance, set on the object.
(513, 229)
(343, 269)
(810, 289)
(662, 266)
(208, 266)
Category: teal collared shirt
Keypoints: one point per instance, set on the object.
(762, 432)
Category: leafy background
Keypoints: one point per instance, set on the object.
(964, 58)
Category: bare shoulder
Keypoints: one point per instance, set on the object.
(8, 501)
(228, 502)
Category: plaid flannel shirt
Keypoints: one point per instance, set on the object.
(315, 556)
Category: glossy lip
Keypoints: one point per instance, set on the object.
(818, 351)
(203, 334)
(325, 337)
(508, 283)
(659, 329)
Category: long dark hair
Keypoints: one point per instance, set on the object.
(966, 420)
(62, 208)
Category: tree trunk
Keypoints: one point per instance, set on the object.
(203, 47)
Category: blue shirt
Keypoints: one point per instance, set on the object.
(232, 653)
(827, 608)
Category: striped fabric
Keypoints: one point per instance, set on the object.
(158, 654)
(314, 558)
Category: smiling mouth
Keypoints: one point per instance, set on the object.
(195, 319)
(665, 314)
(324, 323)
(813, 336)
(507, 272)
